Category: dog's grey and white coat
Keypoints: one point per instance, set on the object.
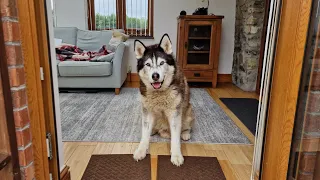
(165, 98)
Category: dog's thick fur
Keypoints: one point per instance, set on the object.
(165, 110)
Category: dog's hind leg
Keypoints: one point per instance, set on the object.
(186, 134)
(165, 133)
(147, 126)
(187, 123)
(163, 126)
(154, 132)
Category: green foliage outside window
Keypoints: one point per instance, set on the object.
(110, 22)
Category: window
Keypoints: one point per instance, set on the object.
(134, 16)
(53, 4)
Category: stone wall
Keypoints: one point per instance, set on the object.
(249, 24)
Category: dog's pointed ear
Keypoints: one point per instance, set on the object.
(139, 49)
(165, 44)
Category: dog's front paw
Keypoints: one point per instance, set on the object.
(177, 159)
(139, 154)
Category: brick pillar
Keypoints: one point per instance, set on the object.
(10, 23)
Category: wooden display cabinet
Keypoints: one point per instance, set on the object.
(198, 47)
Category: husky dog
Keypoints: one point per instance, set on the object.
(165, 98)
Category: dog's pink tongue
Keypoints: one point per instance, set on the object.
(156, 85)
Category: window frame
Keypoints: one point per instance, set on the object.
(121, 19)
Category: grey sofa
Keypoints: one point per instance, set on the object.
(85, 74)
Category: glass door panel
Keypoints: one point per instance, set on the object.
(198, 45)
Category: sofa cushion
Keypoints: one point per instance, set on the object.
(106, 36)
(57, 42)
(67, 34)
(106, 58)
(93, 40)
(84, 68)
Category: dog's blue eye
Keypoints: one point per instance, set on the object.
(148, 64)
(162, 63)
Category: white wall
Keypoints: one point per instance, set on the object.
(71, 13)
(165, 21)
(227, 8)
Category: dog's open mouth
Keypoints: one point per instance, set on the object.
(156, 85)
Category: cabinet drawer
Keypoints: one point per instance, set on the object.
(198, 74)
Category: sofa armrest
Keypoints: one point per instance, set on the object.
(120, 64)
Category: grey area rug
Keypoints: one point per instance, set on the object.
(105, 117)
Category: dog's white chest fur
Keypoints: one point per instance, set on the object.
(161, 100)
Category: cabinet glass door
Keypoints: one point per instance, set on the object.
(198, 45)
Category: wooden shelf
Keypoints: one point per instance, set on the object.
(200, 38)
(199, 52)
(4, 160)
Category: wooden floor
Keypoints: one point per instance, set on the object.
(228, 90)
(235, 160)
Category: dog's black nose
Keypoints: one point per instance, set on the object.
(155, 76)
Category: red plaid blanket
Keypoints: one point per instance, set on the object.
(71, 52)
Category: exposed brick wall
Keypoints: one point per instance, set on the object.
(14, 56)
(311, 131)
(307, 162)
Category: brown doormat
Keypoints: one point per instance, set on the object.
(193, 168)
(117, 167)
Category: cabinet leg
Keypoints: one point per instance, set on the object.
(117, 91)
(214, 84)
